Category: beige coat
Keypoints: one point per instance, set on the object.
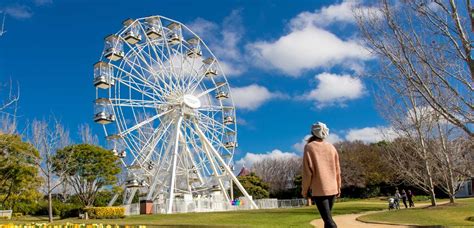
(321, 170)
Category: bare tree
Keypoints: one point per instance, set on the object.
(279, 173)
(48, 136)
(8, 108)
(426, 45)
(86, 135)
(2, 29)
(409, 156)
(451, 152)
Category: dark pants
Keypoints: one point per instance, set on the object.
(410, 202)
(405, 202)
(324, 204)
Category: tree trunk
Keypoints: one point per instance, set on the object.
(430, 184)
(50, 206)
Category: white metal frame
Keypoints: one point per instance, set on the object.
(171, 144)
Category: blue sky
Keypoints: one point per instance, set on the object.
(289, 64)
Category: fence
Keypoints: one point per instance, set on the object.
(6, 214)
(212, 205)
(292, 203)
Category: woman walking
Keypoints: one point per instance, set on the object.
(410, 198)
(404, 198)
(321, 172)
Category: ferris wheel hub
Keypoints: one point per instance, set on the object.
(191, 101)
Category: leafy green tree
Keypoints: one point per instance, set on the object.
(19, 178)
(254, 185)
(298, 182)
(90, 169)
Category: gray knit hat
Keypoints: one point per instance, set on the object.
(320, 130)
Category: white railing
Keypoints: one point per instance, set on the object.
(6, 214)
(132, 209)
(212, 205)
(292, 203)
(266, 203)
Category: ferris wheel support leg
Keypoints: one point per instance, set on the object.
(214, 169)
(201, 181)
(112, 201)
(226, 167)
(156, 177)
(175, 161)
(127, 200)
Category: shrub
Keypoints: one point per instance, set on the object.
(67, 210)
(17, 215)
(105, 212)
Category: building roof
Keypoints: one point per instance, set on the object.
(244, 172)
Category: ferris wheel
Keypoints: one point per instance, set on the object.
(167, 111)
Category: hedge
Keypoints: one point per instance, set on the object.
(105, 212)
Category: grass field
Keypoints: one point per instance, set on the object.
(444, 215)
(294, 217)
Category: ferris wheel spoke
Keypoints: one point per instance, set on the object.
(168, 55)
(130, 84)
(159, 134)
(215, 122)
(198, 83)
(209, 90)
(142, 78)
(147, 121)
(132, 78)
(188, 140)
(199, 150)
(150, 57)
(136, 103)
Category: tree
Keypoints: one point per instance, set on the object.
(88, 170)
(425, 45)
(452, 157)
(8, 108)
(86, 135)
(48, 137)
(363, 167)
(254, 185)
(279, 173)
(2, 29)
(18, 173)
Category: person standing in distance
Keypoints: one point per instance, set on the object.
(321, 172)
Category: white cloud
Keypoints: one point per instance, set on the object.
(327, 15)
(18, 11)
(309, 45)
(43, 2)
(335, 89)
(299, 146)
(253, 96)
(223, 40)
(306, 49)
(333, 138)
(371, 134)
(250, 158)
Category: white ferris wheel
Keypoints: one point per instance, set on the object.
(167, 112)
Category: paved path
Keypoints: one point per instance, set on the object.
(349, 220)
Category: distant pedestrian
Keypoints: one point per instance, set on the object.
(410, 198)
(404, 198)
(321, 173)
(397, 197)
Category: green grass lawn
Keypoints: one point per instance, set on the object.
(444, 215)
(292, 217)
